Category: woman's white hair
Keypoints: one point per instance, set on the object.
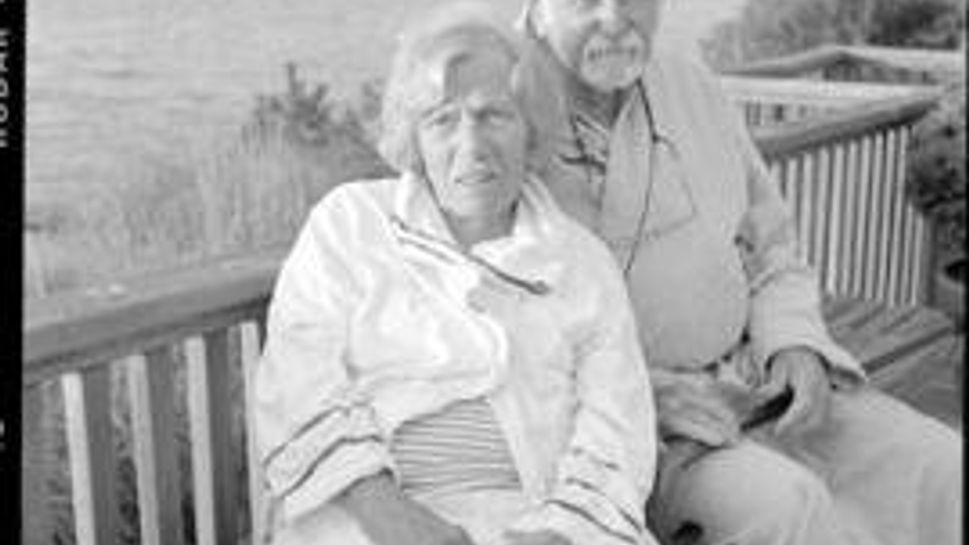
(452, 31)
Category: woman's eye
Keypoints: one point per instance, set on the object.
(441, 120)
(497, 115)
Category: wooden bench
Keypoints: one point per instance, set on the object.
(187, 339)
(911, 352)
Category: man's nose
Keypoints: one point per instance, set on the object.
(612, 17)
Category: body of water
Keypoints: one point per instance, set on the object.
(117, 86)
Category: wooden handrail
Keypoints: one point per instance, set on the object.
(794, 92)
(790, 138)
(792, 65)
(73, 331)
(803, 63)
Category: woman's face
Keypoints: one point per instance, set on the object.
(472, 140)
(606, 43)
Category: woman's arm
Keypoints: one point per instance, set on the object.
(317, 433)
(321, 440)
(606, 471)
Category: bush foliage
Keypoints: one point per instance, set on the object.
(937, 170)
(771, 28)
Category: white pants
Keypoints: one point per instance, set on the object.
(878, 473)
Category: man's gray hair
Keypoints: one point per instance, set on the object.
(410, 82)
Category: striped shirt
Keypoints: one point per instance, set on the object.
(457, 449)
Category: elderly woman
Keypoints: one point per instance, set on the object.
(450, 359)
(656, 161)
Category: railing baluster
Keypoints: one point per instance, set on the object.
(34, 454)
(922, 250)
(865, 217)
(898, 208)
(908, 245)
(775, 171)
(884, 218)
(874, 215)
(213, 446)
(151, 388)
(823, 214)
(801, 204)
(783, 175)
(838, 209)
(252, 335)
(809, 198)
(863, 182)
(832, 224)
(87, 402)
(853, 152)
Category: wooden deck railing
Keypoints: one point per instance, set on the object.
(843, 174)
(836, 62)
(189, 339)
(206, 324)
(770, 101)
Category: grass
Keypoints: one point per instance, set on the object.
(214, 197)
(229, 199)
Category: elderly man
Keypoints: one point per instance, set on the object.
(450, 359)
(653, 158)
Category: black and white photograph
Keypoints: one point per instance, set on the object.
(489, 272)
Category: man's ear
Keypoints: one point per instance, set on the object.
(535, 19)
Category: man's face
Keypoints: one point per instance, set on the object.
(606, 43)
(473, 140)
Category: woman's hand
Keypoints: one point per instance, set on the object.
(545, 537)
(388, 517)
(803, 371)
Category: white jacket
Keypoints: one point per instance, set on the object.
(376, 320)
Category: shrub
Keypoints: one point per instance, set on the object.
(936, 179)
(212, 197)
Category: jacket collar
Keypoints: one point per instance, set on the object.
(532, 252)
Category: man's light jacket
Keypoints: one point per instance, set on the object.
(715, 257)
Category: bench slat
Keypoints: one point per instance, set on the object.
(151, 387)
(213, 447)
(894, 344)
(87, 401)
(252, 336)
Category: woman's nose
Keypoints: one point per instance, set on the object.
(470, 138)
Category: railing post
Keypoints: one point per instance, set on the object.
(837, 211)
(151, 390)
(928, 261)
(213, 446)
(252, 336)
(87, 402)
(897, 272)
